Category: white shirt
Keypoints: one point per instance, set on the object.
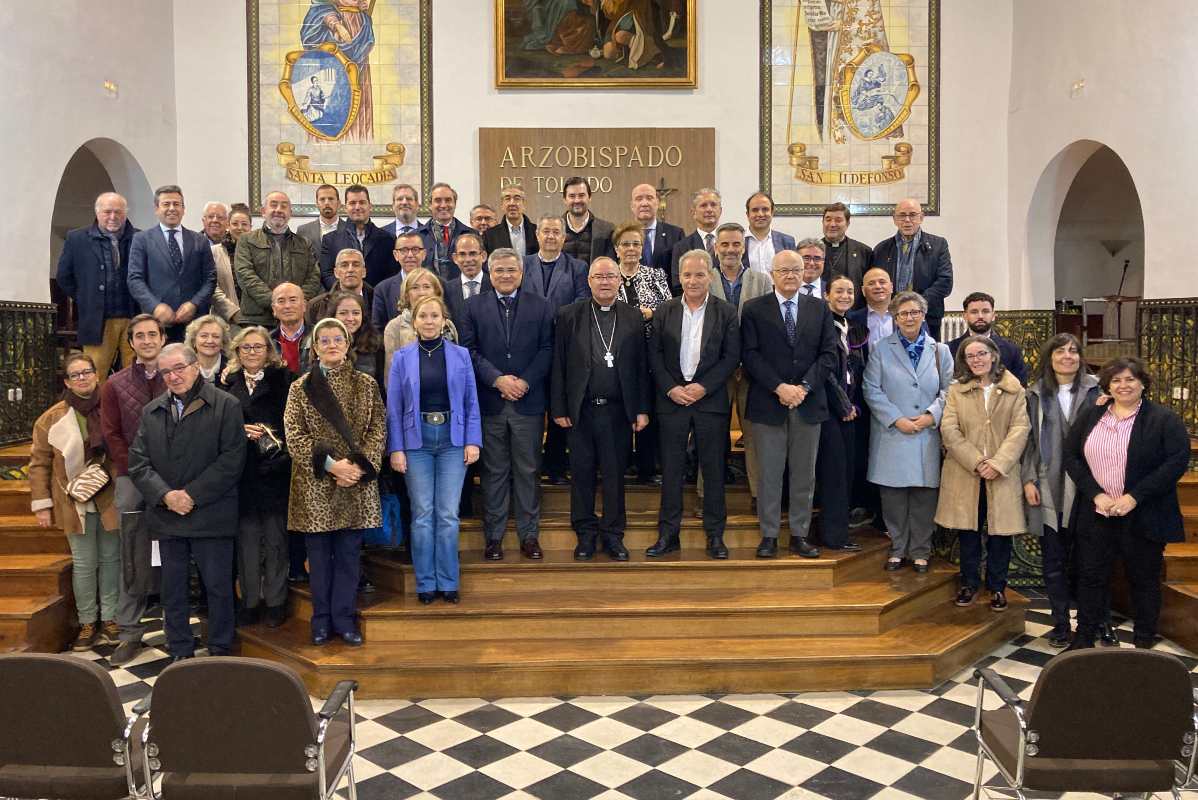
(692, 339)
(760, 252)
(412, 226)
(478, 279)
(817, 292)
(1065, 399)
(330, 227)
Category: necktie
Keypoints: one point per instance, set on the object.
(809, 289)
(116, 252)
(445, 234)
(178, 406)
(709, 239)
(173, 246)
(647, 250)
(507, 319)
(789, 320)
(471, 289)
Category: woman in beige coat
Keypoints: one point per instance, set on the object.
(66, 438)
(984, 430)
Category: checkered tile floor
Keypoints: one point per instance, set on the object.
(838, 745)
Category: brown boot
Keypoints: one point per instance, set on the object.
(110, 633)
(86, 637)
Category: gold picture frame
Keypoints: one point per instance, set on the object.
(619, 44)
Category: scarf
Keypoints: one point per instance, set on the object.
(324, 400)
(914, 349)
(89, 409)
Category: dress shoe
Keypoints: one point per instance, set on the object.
(494, 551)
(352, 638)
(848, 547)
(998, 601)
(801, 547)
(768, 547)
(366, 586)
(920, 566)
(716, 547)
(615, 548)
(1107, 635)
(276, 616)
(698, 512)
(320, 638)
(1059, 637)
(893, 564)
(965, 596)
(585, 550)
(426, 598)
(1080, 642)
(859, 518)
(452, 597)
(124, 653)
(531, 548)
(665, 544)
(556, 480)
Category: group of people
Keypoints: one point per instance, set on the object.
(281, 392)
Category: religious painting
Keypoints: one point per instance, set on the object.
(340, 92)
(850, 93)
(625, 44)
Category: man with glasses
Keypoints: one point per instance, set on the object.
(468, 255)
(917, 261)
(788, 349)
(515, 230)
(350, 271)
(409, 254)
(186, 461)
(405, 202)
(811, 282)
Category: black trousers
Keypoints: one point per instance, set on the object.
(214, 558)
(1100, 541)
(334, 560)
(711, 440)
(834, 475)
(553, 458)
(1058, 553)
(600, 439)
(645, 450)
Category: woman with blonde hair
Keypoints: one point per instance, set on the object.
(400, 331)
(209, 337)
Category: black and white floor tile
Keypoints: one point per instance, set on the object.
(888, 745)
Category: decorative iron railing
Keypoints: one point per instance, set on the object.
(28, 366)
(1167, 333)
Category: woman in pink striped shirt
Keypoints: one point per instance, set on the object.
(1126, 458)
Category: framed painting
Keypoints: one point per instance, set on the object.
(613, 44)
(340, 92)
(850, 101)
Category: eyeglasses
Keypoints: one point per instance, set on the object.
(326, 341)
(786, 271)
(468, 253)
(812, 259)
(409, 251)
(908, 215)
(605, 276)
(252, 348)
(176, 371)
(978, 356)
(504, 271)
(630, 244)
(913, 314)
(81, 374)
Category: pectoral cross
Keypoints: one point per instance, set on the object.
(610, 359)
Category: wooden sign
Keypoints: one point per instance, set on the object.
(612, 160)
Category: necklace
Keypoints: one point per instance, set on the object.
(608, 358)
(428, 351)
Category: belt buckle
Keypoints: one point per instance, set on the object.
(434, 417)
(599, 401)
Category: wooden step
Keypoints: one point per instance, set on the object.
(1181, 562)
(20, 533)
(688, 569)
(42, 574)
(14, 456)
(1187, 489)
(37, 623)
(918, 654)
(1179, 614)
(859, 608)
(1189, 513)
(14, 497)
(638, 498)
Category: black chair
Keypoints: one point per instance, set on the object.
(63, 733)
(234, 728)
(1121, 721)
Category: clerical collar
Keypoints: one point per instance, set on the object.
(595, 303)
(834, 243)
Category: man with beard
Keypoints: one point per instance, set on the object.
(979, 316)
(587, 236)
(328, 203)
(357, 232)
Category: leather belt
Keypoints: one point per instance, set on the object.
(435, 417)
(600, 401)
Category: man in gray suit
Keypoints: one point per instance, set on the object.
(736, 283)
(328, 203)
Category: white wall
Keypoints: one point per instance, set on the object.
(1136, 101)
(56, 59)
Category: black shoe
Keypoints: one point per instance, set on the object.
(768, 548)
(1107, 635)
(320, 638)
(298, 580)
(698, 512)
(848, 547)
(615, 548)
(124, 653)
(175, 659)
(998, 601)
(426, 598)
(859, 518)
(585, 550)
(530, 548)
(665, 544)
(1080, 643)
(965, 596)
(352, 638)
(248, 616)
(365, 586)
(276, 616)
(920, 568)
(649, 480)
(716, 547)
(1059, 637)
(452, 597)
(494, 551)
(893, 564)
(801, 547)
(1144, 642)
(556, 480)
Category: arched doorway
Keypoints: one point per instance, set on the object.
(98, 166)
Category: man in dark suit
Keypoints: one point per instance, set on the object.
(93, 271)
(979, 316)
(762, 242)
(515, 230)
(600, 392)
(587, 236)
(171, 270)
(509, 334)
(328, 204)
(788, 348)
(468, 256)
(706, 210)
(483, 218)
(918, 261)
(693, 351)
(442, 230)
(842, 255)
(660, 236)
(357, 232)
(405, 202)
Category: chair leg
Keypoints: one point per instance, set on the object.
(353, 784)
(977, 776)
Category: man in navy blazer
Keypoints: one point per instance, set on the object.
(408, 253)
(172, 273)
(509, 333)
(468, 256)
(917, 261)
(442, 230)
(660, 236)
(979, 316)
(706, 209)
(357, 232)
(515, 230)
(93, 271)
(762, 242)
(405, 202)
(788, 346)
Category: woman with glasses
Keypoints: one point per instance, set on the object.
(645, 288)
(984, 430)
(259, 379)
(336, 427)
(209, 337)
(67, 441)
(905, 380)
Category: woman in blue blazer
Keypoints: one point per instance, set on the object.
(433, 433)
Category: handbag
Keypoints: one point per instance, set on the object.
(88, 483)
(272, 451)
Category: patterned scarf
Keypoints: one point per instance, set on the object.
(914, 349)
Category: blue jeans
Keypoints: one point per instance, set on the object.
(998, 560)
(434, 479)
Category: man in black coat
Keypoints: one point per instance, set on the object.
(694, 349)
(509, 334)
(186, 461)
(842, 255)
(979, 316)
(706, 209)
(788, 346)
(917, 261)
(357, 232)
(468, 256)
(442, 231)
(600, 392)
(660, 236)
(515, 230)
